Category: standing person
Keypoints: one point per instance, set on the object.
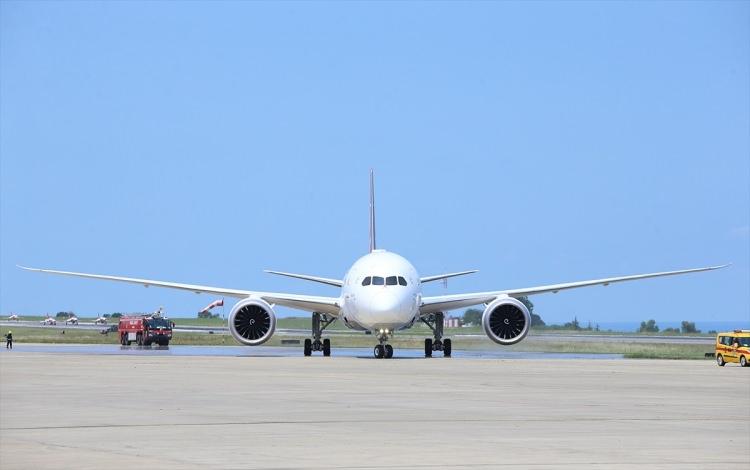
(9, 340)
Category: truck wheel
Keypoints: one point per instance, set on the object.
(720, 360)
(123, 340)
(743, 361)
(139, 339)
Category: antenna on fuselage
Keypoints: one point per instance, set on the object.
(372, 211)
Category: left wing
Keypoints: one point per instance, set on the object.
(309, 303)
(441, 303)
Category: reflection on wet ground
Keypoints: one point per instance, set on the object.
(275, 351)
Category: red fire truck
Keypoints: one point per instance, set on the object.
(145, 330)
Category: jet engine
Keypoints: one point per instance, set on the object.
(252, 321)
(506, 320)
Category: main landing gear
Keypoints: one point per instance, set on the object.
(383, 350)
(435, 322)
(320, 321)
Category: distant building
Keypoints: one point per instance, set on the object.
(452, 322)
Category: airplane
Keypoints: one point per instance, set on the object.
(101, 320)
(380, 294)
(72, 319)
(48, 321)
(13, 317)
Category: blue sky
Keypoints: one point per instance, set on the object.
(536, 142)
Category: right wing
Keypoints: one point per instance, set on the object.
(309, 303)
(441, 303)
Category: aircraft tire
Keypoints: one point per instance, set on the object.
(428, 347)
(447, 348)
(308, 347)
(326, 347)
(379, 351)
(388, 351)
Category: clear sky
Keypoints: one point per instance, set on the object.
(537, 142)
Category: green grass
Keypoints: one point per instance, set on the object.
(412, 339)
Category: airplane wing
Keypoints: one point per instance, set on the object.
(442, 303)
(310, 303)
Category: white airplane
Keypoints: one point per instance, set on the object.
(73, 320)
(381, 293)
(48, 321)
(13, 317)
(101, 320)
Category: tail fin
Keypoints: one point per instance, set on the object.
(372, 211)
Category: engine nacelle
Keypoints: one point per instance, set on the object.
(506, 320)
(252, 321)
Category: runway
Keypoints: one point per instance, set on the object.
(89, 411)
(275, 351)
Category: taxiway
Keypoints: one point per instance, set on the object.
(118, 411)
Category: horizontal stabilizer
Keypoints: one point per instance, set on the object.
(445, 276)
(322, 280)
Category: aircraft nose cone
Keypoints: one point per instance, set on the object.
(385, 302)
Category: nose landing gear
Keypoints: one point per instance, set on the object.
(435, 322)
(383, 350)
(320, 321)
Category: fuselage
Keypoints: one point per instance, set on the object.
(381, 291)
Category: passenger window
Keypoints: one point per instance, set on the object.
(391, 281)
(401, 281)
(366, 281)
(377, 281)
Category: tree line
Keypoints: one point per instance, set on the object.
(473, 317)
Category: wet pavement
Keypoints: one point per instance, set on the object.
(276, 351)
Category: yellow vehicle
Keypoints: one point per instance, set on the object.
(733, 346)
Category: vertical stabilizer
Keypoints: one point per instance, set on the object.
(372, 211)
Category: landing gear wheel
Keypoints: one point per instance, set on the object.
(388, 351)
(428, 347)
(720, 360)
(326, 347)
(447, 348)
(308, 347)
(743, 361)
(379, 351)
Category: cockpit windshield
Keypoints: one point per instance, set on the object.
(384, 281)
